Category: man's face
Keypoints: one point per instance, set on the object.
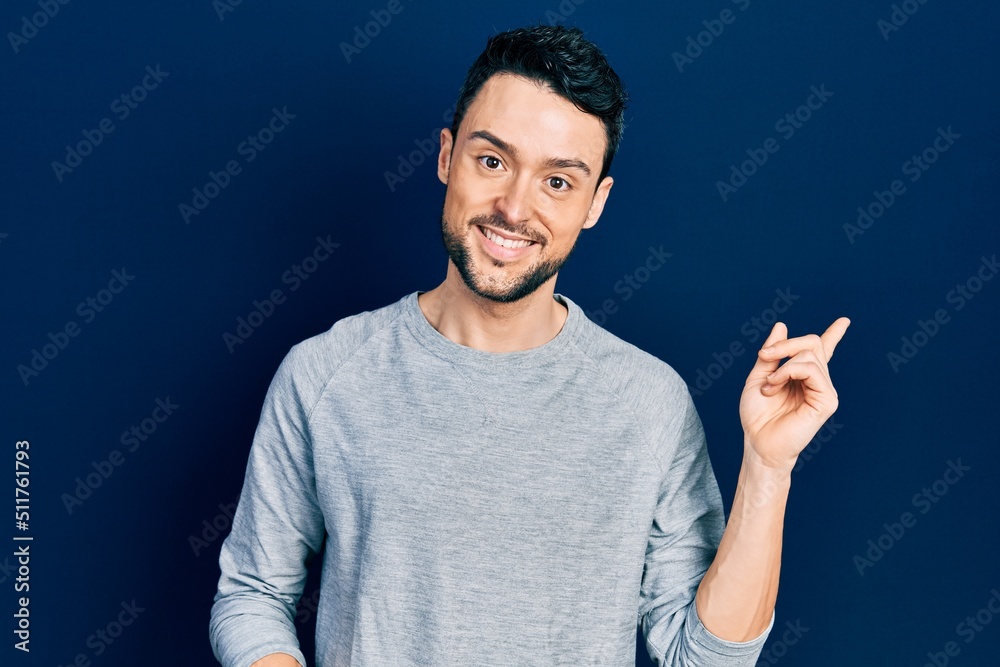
(521, 179)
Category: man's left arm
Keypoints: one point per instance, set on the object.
(782, 408)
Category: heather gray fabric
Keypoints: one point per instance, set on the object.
(524, 508)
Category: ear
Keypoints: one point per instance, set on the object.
(444, 156)
(597, 205)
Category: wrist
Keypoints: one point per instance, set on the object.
(763, 485)
(767, 466)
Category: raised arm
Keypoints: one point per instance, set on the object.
(782, 408)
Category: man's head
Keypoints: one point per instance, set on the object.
(537, 124)
(567, 63)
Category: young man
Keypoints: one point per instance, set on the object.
(498, 479)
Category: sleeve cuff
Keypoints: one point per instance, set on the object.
(701, 636)
(256, 654)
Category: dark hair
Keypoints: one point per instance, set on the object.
(562, 58)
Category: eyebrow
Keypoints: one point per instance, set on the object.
(552, 162)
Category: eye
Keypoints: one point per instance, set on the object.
(491, 162)
(558, 183)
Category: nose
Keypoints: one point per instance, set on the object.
(515, 201)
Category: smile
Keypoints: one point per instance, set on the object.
(503, 240)
(502, 247)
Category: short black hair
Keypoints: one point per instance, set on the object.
(562, 58)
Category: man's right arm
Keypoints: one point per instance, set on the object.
(278, 527)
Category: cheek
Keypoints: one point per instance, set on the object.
(468, 200)
(454, 199)
(564, 219)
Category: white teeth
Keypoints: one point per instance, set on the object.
(501, 241)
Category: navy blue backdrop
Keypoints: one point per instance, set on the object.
(190, 188)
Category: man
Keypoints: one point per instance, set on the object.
(499, 480)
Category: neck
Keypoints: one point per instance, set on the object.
(466, 318)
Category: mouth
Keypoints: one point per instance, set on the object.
(503, 245)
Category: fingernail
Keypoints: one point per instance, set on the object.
(768, 350)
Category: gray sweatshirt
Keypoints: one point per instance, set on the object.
(520, 508)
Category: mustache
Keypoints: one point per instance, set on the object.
(497, 220)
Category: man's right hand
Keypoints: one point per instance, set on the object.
(277, 660)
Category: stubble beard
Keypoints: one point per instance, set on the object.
(520, 287)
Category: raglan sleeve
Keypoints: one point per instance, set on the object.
(687, 527)
(277, 529)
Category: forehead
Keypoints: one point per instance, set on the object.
(536, 120)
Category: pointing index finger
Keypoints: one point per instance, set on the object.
(833, 334)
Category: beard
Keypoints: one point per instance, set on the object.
(516, 287)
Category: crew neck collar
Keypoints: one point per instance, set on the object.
(444, 347)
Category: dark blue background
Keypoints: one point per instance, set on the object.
(135, 537)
